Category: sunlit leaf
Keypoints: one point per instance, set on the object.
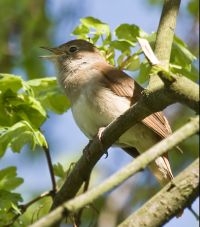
(129, 32)
(48, 93)
(9, 179)
(18, 136)
(8, 200)
(99, 26)
(59, 170)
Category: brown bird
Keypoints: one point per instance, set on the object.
(99, 93)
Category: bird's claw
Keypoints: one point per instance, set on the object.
(87, 149)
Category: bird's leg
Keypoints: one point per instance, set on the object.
(97, 138)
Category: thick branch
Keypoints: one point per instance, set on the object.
(148, 104)
(178, 194)
(165, 35)
(140, 163)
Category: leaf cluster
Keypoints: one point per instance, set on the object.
(24, 105)
(24, 108)
(122, 50)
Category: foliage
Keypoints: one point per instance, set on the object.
(8, 199)
(121, 48)
(25, 105)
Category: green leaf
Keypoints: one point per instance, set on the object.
(122, 45)
(18, 136)
(182, 60)
(59, 170)
(132, 63)
(81, 30)
(193, 7)
(47, 92)
(17, 102)
(145, 69)
(100, 27)
(92, 28)
(129, 33)
(10, 82)
(8, 179)
(8, 200)
(21, 107)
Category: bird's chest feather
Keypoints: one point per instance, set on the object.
(95, 107)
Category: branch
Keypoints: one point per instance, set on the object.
(178, 194)
(148, 104)
(165, 35)
(139, 163)
(180, 87)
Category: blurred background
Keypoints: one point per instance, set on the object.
(27, 25)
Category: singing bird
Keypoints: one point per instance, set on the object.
(99, 93)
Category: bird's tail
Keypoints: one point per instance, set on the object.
(162, 170)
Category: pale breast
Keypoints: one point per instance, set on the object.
(96, 107)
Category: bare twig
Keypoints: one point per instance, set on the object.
(50, 166)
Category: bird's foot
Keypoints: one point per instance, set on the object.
(87, 150)
(98, 137)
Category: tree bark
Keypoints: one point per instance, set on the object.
(141, 162)
(175, 196)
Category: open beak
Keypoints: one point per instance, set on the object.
(56, 52)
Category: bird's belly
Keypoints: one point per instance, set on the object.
(91, 114)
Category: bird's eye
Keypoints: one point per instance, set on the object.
(73, 49)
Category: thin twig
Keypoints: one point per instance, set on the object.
(50, 166)
(193, 212)
(80, 212)
(24, 207)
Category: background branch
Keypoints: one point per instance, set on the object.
(139, 163)
(164, 37)
(178, 194)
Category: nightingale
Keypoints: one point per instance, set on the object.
(99, 93)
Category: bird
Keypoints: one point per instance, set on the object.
(99, 93)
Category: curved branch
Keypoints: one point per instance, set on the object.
(139, 163)
(178, 194)
(148, 104)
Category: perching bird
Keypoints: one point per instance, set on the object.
(99, 93)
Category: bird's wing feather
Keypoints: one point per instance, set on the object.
(123, 85)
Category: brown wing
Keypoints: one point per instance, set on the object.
(120, 83)
(123, 85)
(158, 123)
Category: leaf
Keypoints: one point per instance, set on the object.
(18, 136)
(132, 63)
(10, 82)
(92, 28)
(81, 31)
(144, 72)
(47, 92)
(183, 58)
(17, 102)
(8, 179)
(129, 32)
(8, 202)
(122, 45)
(100, 27)
(59, 170)
(21, 107)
